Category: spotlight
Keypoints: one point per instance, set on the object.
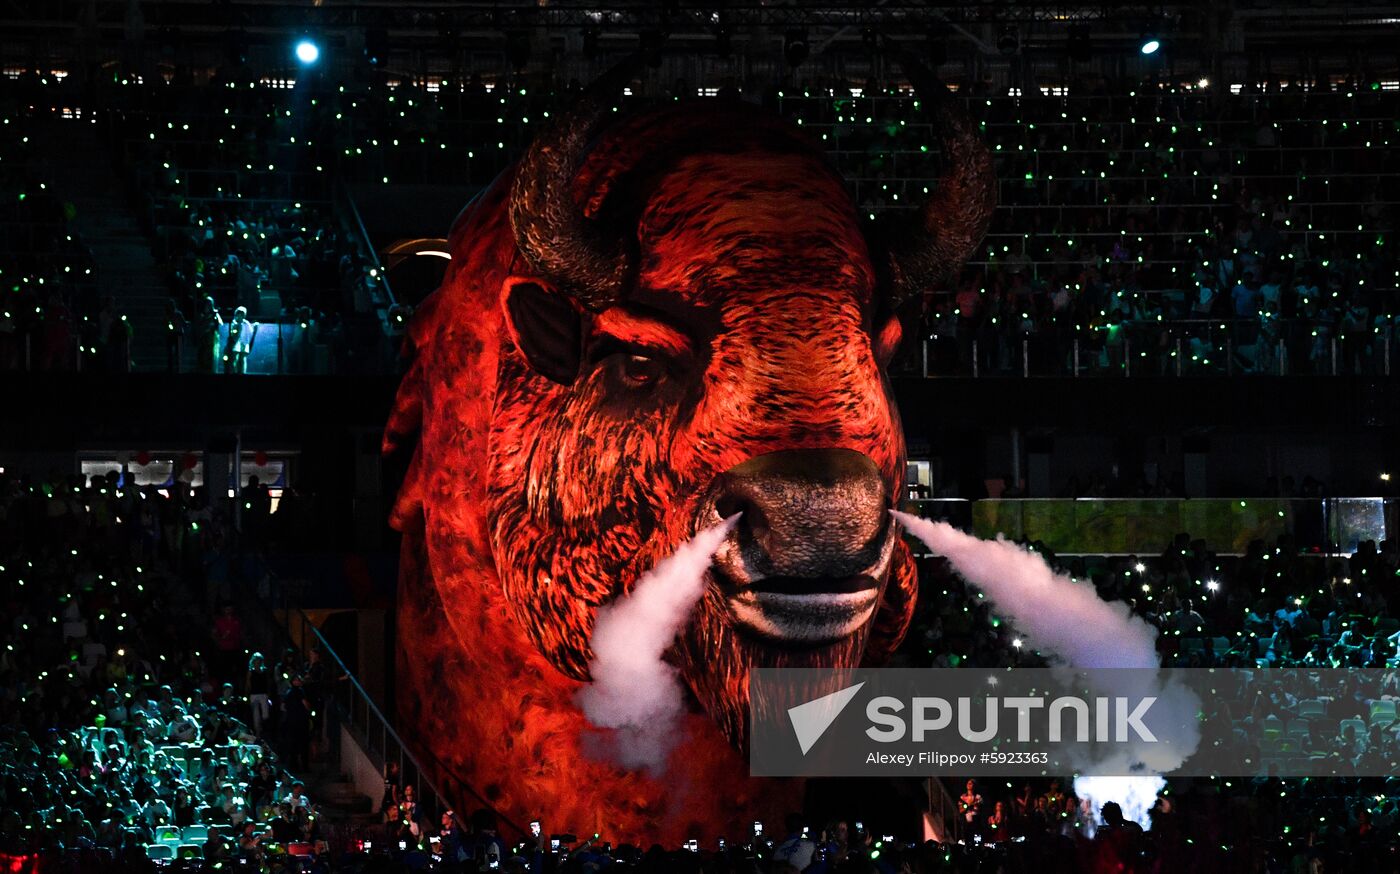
(1213, 585)
(1150, 45)
(795, 48)
(307, 52)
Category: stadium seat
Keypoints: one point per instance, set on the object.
(191, 851)
(299, 848)
(1309, 708)
(160, 852)
(1298, 728)
(195, 834)
(1383, 711)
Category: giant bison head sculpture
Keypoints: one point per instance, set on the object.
(648, 324)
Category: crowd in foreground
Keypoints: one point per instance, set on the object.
(140, 731)
(136, 728)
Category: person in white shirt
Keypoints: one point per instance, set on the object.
(798, 849)
(240, 342)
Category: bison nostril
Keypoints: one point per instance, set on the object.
(751, 517)
(811, 512)
(728, 505)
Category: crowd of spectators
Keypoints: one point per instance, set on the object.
(137, 725)
(1253, 227)
(52, 315)
(134, 727)
(1149, 230)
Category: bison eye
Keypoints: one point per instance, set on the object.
(640, 371)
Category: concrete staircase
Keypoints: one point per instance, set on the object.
(340, 799)
(126, 269)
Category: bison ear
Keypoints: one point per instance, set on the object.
(546, 326)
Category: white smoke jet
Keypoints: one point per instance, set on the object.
(1063, 617)
(1068, 620)
(634, 690)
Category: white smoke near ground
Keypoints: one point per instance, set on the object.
(1068, 621)
(1135, 795)
(634, 690)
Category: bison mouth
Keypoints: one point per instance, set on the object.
(803, 610)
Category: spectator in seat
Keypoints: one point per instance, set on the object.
(249, 844)
(183, 807)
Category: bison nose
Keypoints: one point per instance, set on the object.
(806, 513)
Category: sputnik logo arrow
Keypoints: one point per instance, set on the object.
(811, 720)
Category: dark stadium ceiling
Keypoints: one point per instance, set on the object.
(969, 27)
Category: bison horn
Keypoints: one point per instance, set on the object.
(954, 220)
(551, 231)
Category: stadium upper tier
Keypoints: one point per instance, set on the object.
(1150, 232)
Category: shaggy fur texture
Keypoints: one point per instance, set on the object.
(751, 324)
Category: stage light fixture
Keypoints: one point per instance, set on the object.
(307, 52)
(1150, 44)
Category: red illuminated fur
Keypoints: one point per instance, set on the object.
(529, 504)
